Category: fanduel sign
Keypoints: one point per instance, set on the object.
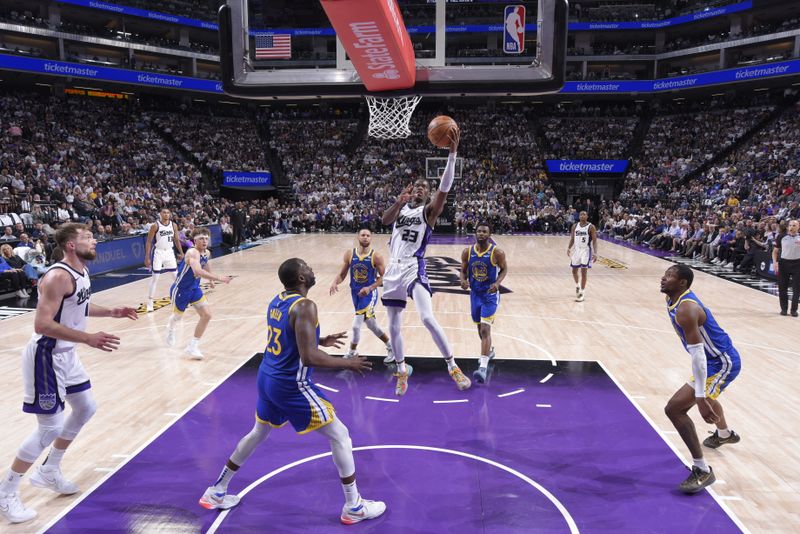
(590, 166)
(246, 179)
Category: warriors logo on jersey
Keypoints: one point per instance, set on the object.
(482, 271)
(363, 274)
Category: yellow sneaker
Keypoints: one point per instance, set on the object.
(460, 378)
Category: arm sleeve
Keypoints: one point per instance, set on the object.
(698, 368)
(449, 174)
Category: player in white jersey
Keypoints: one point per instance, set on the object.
(52, 371)
(161, 257)
(413, 218)
(582, 251)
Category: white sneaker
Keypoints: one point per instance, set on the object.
(52, 479)
(389, 359)
(149, 305)
(581, 297)
(21, 293)
(172, 335)
(350, 354)
(13, 510)
(577, 290)
(194, 352)
(365, 510)
(218, 500)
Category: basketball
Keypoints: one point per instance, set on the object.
(439, 130)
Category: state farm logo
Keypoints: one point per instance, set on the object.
(372, 48)
(389, 74)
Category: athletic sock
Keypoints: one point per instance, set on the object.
(194, 342)
(224, 479)
(401, 367)
(483, 362)
(701, 464)
(451, 363)
(53, 460)
(723, 433)
(10, 483)
(351, 496)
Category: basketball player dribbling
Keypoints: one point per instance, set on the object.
(413, 218)
(159, 253)
(286, 392)
(715, 364)
(366, 267)
(582, 250)
(52, 372)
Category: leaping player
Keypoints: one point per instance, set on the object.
(366, 268)
(483, 268)
(413, 218)
(584, 240)
(163, 260)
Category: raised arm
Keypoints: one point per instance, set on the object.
(345, 266)
(436, 207)
(393, 211)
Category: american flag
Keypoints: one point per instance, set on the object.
(274, 46)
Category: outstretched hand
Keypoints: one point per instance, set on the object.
(124, 311)
(333, 340)
(455, 138)
(405, 194)
(359, 364)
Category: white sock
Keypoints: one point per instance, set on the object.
(10, 483)
(224, 478)
(723, 433)
(173, 321)
(451, 363)
(401, 367)
(194, 342)
(483, 362)
(388, 345)
(53, 460)
(701, 463)
(351, 496)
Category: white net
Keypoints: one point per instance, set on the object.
(389, 117)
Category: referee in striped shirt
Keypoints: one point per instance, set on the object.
(786, 258)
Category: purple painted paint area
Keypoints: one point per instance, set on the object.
(451, 239)
(591, 449)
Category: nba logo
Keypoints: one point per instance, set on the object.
(514, 30)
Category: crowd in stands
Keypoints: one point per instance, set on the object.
(113, 164)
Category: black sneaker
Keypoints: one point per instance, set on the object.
(698, 480)
(714, 441)
(794, 313)
(783, 312)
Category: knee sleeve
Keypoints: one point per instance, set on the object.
(358, 321)
(395, 319)
(250, 442)
(48, 429)
(341, 447)
(83, 408)
(372, 324)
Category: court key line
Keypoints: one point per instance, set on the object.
(573, 527)
(368, 397)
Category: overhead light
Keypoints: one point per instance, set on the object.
(88, 88)
(127, 93)
(718, 94)
(291, 105)
(264, 106)
(44, 84)
(639, 101)
(512, 102)
(761, 89)
(198, 100)
(228, 102)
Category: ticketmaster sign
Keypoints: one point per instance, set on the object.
(589, 166)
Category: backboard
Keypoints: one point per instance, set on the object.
(459, 48)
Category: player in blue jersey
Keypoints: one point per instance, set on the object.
(715, 364)
(287, 394)
(483, 268)
(186, 290)
(366, 268)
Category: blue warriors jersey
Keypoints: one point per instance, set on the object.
(186, 278)
(716, 341)
(362, 270)
(281, 355)
(482, 269)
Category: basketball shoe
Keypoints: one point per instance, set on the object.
(460, 379)
(389, 359)
(698, 480)
(402, 381)
(13, 510)
(218, 500)
(149, 305)
(365, 510)
(194, 352)
(172, 335)
(714, 441)
(52, 479)
(352, 353)
(581, 296)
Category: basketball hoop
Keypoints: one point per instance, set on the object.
(389, 117)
